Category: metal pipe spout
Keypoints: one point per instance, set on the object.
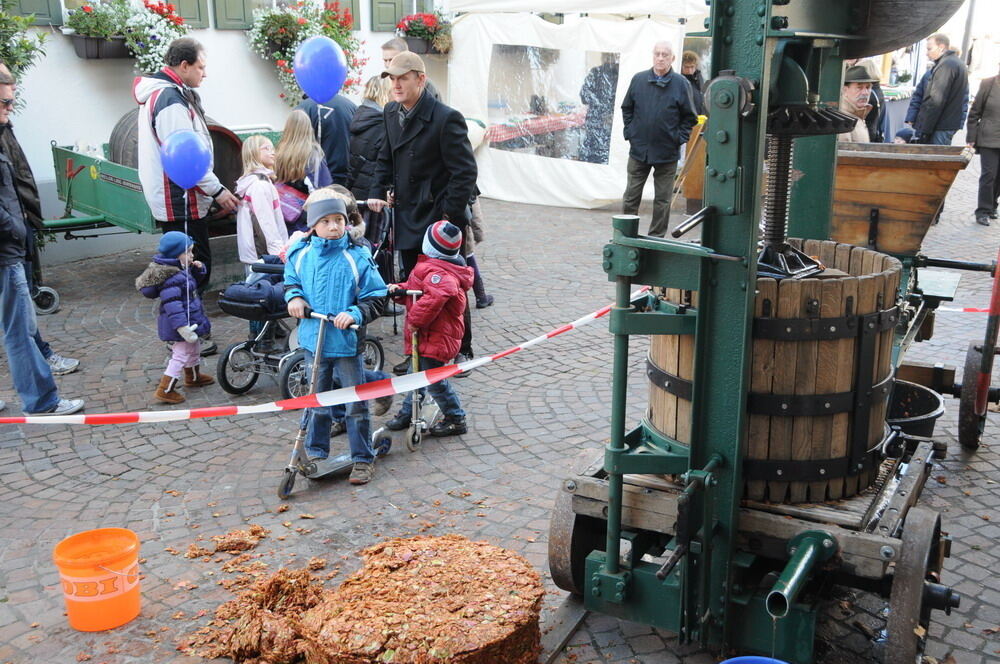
(807, 549)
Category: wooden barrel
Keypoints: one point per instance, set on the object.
(820, 380)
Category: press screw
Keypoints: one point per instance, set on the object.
(779, 22)
(887, 552)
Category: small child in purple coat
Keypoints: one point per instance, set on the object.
(173, 277)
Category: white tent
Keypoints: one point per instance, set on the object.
(523, 77)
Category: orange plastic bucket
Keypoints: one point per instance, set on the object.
(99, 571)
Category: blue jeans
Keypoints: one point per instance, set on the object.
(347, 371)
(444, 396)
(340, 411)
(941, 137)
(32, 375)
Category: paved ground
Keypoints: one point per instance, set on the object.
(529, 416)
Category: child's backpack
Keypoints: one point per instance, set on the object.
(291, 201)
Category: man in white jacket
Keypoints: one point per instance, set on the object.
(168, 103)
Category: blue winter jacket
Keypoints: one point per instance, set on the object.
(334, 276)
(176, 287)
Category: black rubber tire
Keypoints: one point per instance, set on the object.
(970, 425)
(413, 438)
(227, 374)
(292, 378)
(287, 484)
(373, 354)
(46, 301)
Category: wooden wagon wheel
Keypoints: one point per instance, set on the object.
(970, 422)
(909, 616)
(571, 539)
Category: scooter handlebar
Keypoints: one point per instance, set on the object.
(327, 317)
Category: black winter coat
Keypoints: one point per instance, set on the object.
(430, 167)
(27, 190)
(330, 123)
(367, 135)
(945, 96)
(983, 128)
(13, 230)
(658, 116)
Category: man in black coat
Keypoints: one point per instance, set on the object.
(425, 168)
(941, 111)
(331, 121)
(983, 133)
(658, 113)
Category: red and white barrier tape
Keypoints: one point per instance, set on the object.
(966, 310)
(375, 389)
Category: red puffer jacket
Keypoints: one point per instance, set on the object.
(437, 315)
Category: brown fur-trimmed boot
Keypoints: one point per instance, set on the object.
(167, 390)
(193, 377)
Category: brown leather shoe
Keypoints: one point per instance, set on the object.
(167, 390)
(193, 377)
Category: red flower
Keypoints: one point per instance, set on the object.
(281, 95)
(171, 7)
(281, 63)
(87, 9)
(301, 21)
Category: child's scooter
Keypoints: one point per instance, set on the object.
(299, 462)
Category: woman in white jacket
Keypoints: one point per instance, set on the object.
(260, 228)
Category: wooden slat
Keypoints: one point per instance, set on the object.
(663, 351)
(828, 253)
(805, 383)
(896, 180)
(868, 289)
(841, 422)
(685, 369)
(780, 440)
(827, 363)
(761, 379)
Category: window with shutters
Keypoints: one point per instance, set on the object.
(194, 12)
(386, 13)
(47, 12)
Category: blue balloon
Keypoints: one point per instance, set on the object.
(186, 158)
(320, 67)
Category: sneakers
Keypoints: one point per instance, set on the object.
(62, 365)
(208, 347)
(462, 357)
(399, 422)
(450, 426)
(64, 407)
(993, 214)
(403, 367)
(337, 428)
(982, 220)
(362, 473)
(382, 405)
(484, 301)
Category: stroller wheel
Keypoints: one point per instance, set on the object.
(374, 354)
(413, 438)
(237, 368)
(46, 300)
(292, 378)
(287, 483)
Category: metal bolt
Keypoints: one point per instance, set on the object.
(722, 136)
(725, 99)
(607, 252)
(788, 330)
(822, 471)
(633, 254)
(761, 10)
(779, 472)
(730, 10)
(731, 173)
(759, 40)
(826, 405)
(707, 22)
(793, 550)
(633, 267)
(887, 552)
(711, 172)
(570, 485)
(730, 210)
(827, 544)
(728, 40)
(779, 22)
(607, 266)
(620, 586)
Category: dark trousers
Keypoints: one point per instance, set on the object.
(198, 230)
(408, 258)
(989, 181)
(663, 185)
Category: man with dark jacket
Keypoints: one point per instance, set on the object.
(946, 92)
(658, 113)
(598, 93)
(983, 133)
(32, 375)
(425, 168)
(331, 121)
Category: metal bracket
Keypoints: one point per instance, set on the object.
(811, 470)
(679, 387)
(820, 329)
(873, 217)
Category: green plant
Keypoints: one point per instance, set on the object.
(904, 77)
(100, 19)
(432, 27)
(147, 27)
(277, 32)
(18, 47)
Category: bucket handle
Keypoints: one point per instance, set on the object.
(120, 573)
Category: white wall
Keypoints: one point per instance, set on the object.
(74, 101)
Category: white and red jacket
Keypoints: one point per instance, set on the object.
(259, 206)
(167, 105)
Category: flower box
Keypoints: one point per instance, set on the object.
(417, 45)
(97, 48)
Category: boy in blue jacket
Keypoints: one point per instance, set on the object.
(330, 274)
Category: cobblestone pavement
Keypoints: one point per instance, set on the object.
(529, 417)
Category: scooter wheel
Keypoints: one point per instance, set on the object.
(382, 446)
(287, 482)
(413, 439)
(46, 301)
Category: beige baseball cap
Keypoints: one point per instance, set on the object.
(404, 62)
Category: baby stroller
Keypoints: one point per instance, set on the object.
(274, 349)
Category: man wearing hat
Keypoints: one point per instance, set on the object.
(854, 97)
(425, 168)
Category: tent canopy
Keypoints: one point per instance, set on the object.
(665, 8)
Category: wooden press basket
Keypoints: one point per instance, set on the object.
(820, 380)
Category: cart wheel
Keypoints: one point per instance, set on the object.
(382, 445)
(237, 368)
(293, 379)
(287, 482)
(374, 354)
(571, 539)
(46, 301)
(413, 438)
(970, 425)
(919, 559)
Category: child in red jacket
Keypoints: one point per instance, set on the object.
(443, 276)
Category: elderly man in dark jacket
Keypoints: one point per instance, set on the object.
(946, 92)
(658, 112)
(983, 133)
(426, 167)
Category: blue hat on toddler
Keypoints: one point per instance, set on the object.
(174, 243)
(905, 133)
